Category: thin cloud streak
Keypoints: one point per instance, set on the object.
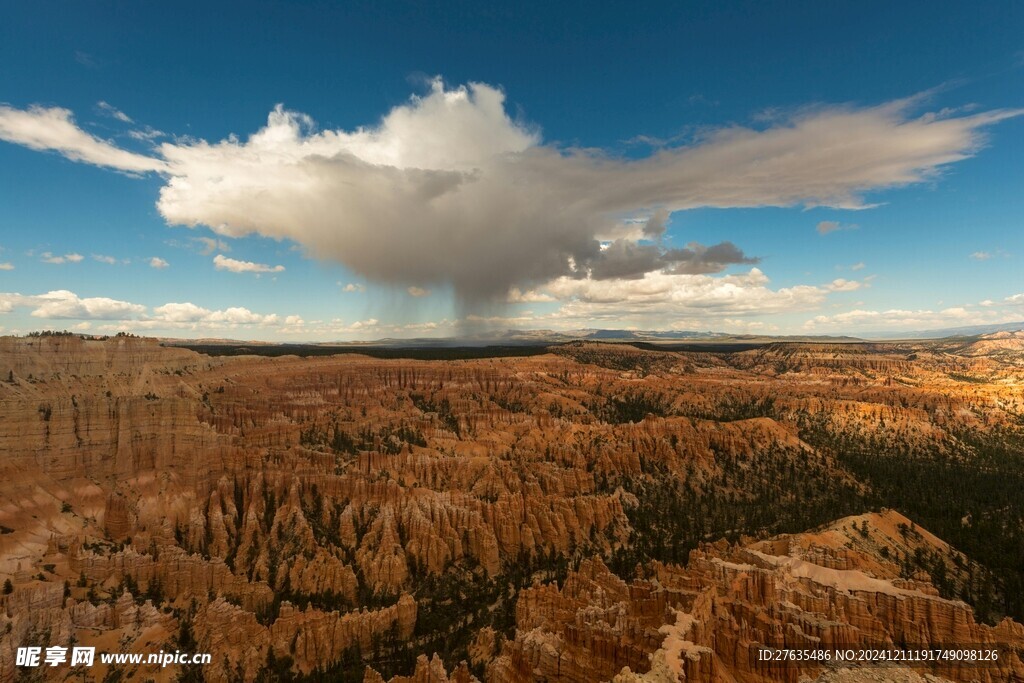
(54, 129)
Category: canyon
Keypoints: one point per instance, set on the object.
(595, 512)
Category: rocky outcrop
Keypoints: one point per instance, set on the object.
(427, 671)
(588, 630)
(706, 621)
(313, 639)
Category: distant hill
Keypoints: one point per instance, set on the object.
(965, 331)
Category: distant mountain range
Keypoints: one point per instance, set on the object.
(514, 337)
(965, 331)
(517, 337)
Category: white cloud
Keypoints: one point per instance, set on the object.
(113, 112)
(679, 300)
(449, 190)
(175, 313)
(986, 255)
(661, 296)
(222, 262)
(739, 325)
(364, 329)
(211, 245)
(62, 304)
(955, 312)
(181, 312)
(844, 285)
(904, 319)
(54, 129)
(65, 304)
(353, 287)
(157, 262)
(201, 245)
(825, 227)
(6, 266)
(109, 260)
(146, 134)
(857, 266)
(425, 327)
(86, 59)
(516, 296)
(418, 291)
(47, 257)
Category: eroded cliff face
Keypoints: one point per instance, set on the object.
(704, 621)
(328, 514)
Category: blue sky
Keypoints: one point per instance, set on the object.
(745, 167)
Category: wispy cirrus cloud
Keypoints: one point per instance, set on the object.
(146, 134)
(54, 129)
(113, 112)
(86, 59)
